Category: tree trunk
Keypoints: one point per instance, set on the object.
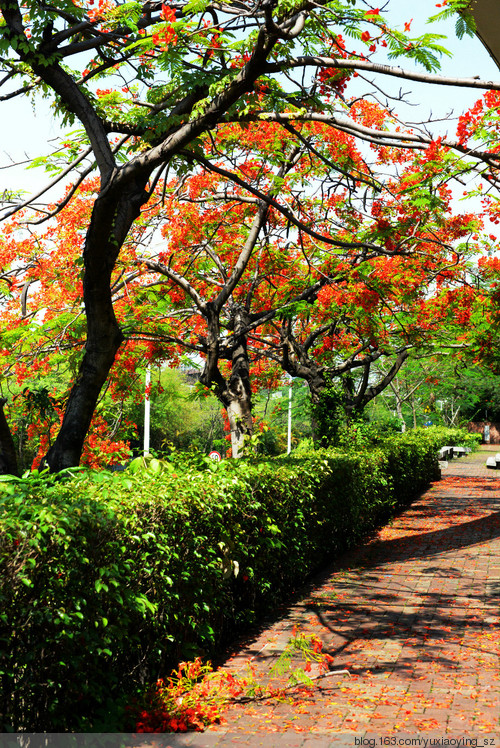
(114, 212)
(8, 459)
(327, 412)
(239, 413)
(399, 412)
(235, 393)
(238, 393)
(414, 411)
(99, 357)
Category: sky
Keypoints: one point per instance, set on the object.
(469, 59)
(25, 130)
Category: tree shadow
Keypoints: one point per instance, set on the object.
(429, 620)
(429, 623)
(433, 543)
(428, 637)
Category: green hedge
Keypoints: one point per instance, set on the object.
(442, 437)
(109, 578)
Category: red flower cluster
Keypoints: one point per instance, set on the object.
(166, 36)
(332, 80)
(189, 700)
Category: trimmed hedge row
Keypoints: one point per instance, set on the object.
(109, 578)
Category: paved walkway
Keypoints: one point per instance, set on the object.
(413, 615)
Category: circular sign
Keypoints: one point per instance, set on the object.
(215, 456)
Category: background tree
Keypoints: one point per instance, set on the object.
(377, 314)
(447, 390)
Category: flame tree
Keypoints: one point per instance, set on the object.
(174, 76)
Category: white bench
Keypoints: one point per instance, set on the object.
(446, 453)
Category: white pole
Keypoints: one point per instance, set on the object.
(289, 444)
(147, 411)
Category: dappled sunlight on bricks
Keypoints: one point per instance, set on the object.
(413, 614)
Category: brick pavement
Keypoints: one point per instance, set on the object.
(413, 614)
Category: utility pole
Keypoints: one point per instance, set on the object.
(147, 410)
(289, 443)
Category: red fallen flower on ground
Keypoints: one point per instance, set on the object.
(193, 697)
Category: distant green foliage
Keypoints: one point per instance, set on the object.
(177, 417)
(446, 391)
(479, 396)
(441, 437)
(108, 579)
(271, 408)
